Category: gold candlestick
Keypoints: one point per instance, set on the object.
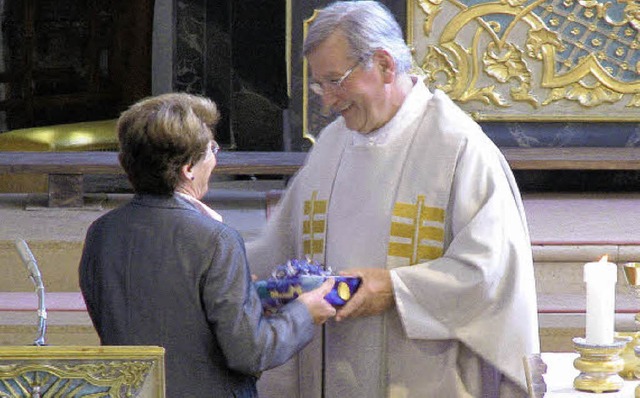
(632, 361)
(637, 372)
(599, 365)
(629, 356)
(632, 275)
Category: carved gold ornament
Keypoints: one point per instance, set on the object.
(91, 372)
(531, 60)
(106, 379)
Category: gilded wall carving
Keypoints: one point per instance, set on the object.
(531, 60)
(81, 371)
(103, 379)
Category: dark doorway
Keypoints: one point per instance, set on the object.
(67, 61)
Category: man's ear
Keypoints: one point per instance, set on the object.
(386, 63)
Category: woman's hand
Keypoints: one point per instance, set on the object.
(320, 309)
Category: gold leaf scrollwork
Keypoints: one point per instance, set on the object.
(516, 3)
(585, 95)
(579, 56)
(437, 64)
(601, 8)
(486, 95)
(466, 89)
(431, 8)
(536, 39)
(507, 66)
(632, 14)
(129, 375)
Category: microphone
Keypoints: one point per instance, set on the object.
(36, 277)
(28, 260)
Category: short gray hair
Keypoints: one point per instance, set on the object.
(367, 25)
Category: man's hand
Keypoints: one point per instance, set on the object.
(320, 309)
(373, 297)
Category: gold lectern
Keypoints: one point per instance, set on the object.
(78, 371)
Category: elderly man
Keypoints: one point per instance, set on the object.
(404, 190)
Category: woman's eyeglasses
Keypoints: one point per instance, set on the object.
(215, 148)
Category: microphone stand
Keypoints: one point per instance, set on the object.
(35, 276)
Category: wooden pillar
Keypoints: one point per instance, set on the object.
(65, 190)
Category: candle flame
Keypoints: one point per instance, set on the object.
(604, 259)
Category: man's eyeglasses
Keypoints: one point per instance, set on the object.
(332, 85)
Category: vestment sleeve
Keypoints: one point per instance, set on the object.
(251, 341)
(477, 276)
(276, 243)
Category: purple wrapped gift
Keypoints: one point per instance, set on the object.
(290, 280)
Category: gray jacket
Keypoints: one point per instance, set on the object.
(157, 272)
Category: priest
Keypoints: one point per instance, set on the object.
(405, 191)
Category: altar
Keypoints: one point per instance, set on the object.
(558, 379)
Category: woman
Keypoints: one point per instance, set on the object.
(163, 270)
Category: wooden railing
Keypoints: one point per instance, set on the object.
(573, 158)
(66, 169)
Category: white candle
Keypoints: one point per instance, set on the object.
(600, 278)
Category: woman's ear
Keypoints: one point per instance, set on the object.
(187, 171)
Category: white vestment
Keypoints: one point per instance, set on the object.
(431, 198)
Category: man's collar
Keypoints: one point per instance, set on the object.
(408, 111)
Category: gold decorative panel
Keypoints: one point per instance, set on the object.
(75, 371)
(531, 60)
(417, 231)
(314, 225)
